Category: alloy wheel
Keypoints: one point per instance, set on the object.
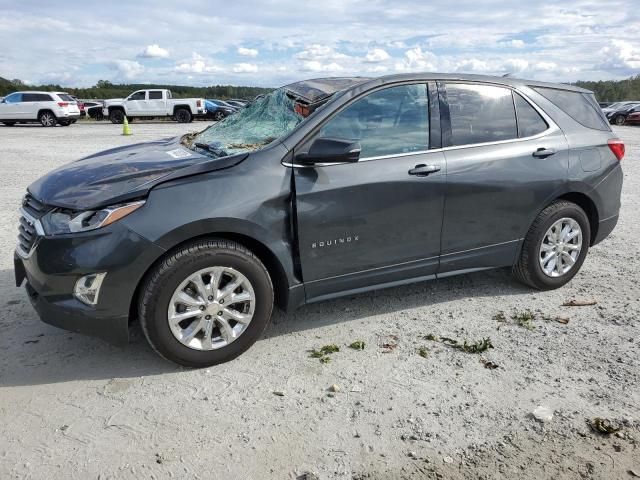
(211, 308)
(560, 247)
(47, 119)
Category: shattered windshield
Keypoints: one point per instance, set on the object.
(264, 120)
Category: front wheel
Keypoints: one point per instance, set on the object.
(555, 246)
(116, 116)
(183, 115)
(619, 120)
(218, 116)
(206, 303)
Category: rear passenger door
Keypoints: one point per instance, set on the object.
(156, 104)
(505, 159)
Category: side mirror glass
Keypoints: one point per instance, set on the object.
(330, 150)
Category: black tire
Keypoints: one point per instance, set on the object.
(74, 120)
(183, 115)
(116, 116)
(528, 270)
(9, 124)
(217, 116)
(65, 123)
(47, 118)
(161, 282)
(619, 120)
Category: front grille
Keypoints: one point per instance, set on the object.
(29, 228)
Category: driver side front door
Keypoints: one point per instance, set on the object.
(375, 222)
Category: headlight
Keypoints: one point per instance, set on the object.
(60, 221)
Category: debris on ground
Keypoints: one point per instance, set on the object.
(634, 473)
(308, 476)
(604, 426)
(562, 320)
(334, 388)
(488, 364)
(323, 353)
(543, 414)
(578, 303)
(159, 458)
(357, 345)
(476, 347)
(279, 393)
(423, 352)
(524, 319)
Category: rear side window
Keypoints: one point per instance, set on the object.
(530, 122)
(580, 106)
(392, 121)
(36, 97)
(480, 114)
(155, 95)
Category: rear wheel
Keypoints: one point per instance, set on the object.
(619, 120)
(116, 116)
(206, 303)
(47, 119)
(555, 247)
(183, 115)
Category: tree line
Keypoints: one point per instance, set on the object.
(105, 89)
(605, 90)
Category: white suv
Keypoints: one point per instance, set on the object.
(48, 108)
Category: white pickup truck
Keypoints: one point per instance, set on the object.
(153, 103)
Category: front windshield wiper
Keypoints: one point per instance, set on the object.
(203, 146)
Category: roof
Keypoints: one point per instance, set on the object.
(38, 91)
(317, 89)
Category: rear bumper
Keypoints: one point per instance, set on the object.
(606, 196)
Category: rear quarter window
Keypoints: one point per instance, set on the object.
(66, 98)
(582, 107)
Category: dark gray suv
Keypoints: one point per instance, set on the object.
(321, 188)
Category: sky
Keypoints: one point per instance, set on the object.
(274, 42)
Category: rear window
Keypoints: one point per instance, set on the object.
(66, 97)
(481, 114)
(582, 107)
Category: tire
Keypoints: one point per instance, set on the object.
(116, 116)
(47, 119)
(183, 115)
(9, 124)
(162, 284)
(65, 123)
(217, 116)
(528, 269)
(619, 120)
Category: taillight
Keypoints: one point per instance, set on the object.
(617, 147)
(63, 104)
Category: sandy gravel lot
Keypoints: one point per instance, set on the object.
(74, 407)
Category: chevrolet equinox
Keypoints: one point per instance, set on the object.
(321, 188)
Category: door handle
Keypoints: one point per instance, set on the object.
(544, 152)
(423, 170)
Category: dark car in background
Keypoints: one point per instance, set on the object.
(216, 110)
(633, 119)
(619, 115)
(237, 103)
(397, 179)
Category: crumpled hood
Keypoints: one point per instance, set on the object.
(122, 173)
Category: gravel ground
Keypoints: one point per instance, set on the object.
(74, 407)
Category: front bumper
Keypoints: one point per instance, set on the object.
(57, 262)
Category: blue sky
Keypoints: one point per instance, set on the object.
(269, 43)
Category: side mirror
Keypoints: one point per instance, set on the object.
(330, 150)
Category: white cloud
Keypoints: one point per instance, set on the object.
(377, 55)
(377, 69)
(245, 68)
(416, 60)
(198, 64)
(622, 55)
(247, 52)
(316, 66)
(128, 69)
(516, 43)
(154, 51)
(318, 52)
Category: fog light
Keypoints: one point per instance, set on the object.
(87, 288)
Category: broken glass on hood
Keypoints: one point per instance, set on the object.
(264, 120)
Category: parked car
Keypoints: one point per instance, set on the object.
(216, 111)
(605, 104)
(236, 103)
(633, 118)
(93, 109)
(48, 108)
(619, 116)
(615, 106)
(287, 203)
(153, 103)
(226, 104)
